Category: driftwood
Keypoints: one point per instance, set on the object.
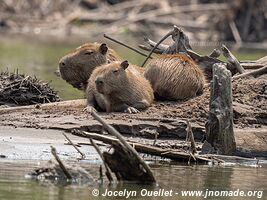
(125, 162)
(173, 154)
(256, 72)
(220, 133)
(181, 45)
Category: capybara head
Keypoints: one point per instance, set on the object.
(77, 66)
(111, 78)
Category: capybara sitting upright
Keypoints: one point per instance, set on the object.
(174, 77)
(77, 66)
(118, 87)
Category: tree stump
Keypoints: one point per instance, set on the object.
(220, 133)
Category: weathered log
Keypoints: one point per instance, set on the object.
(220, 132)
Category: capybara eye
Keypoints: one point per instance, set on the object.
(115, 71)
(88, 53)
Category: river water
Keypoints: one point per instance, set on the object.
(40, 58)
(170, 176)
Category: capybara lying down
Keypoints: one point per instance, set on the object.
(118, 87)
(77, 66)
(174, 77)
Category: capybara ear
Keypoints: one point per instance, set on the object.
(103, 48)
(124, 64)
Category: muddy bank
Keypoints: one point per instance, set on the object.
(165, 118)
(249, 104)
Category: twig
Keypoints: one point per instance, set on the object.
(75, 147)
(125, 45)
(256, 72)
(100, 174)
(62, 166)
(108, 171)
(232, 59)
(191, 138)
(115, 133)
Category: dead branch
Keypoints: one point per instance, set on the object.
(75, 147)
(62, 166)
(256, 72)
(129, 148)
(232, 59)
(125, 45)
(108, 171)
(191, 137)
(158, 43)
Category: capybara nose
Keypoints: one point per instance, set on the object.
(99, 81)
(62, 63)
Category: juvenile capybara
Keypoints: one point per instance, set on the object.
(118, 87)
(174, 77)
(77, 66)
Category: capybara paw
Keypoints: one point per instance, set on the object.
(131, 110)
(89, 109)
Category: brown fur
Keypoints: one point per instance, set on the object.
(175, 77)
(121, 89)
(77, 66)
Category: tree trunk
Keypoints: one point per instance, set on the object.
(220, 133)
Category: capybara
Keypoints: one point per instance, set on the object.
(118, 87)
(77, 66)
(174, 77)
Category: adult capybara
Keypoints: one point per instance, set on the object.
(174, 77)
(77, 66)
(118, 87)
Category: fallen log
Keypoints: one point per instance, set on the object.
(142, 148)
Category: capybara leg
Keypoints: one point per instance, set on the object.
(124, 108)
(141, 105)
(91, 102)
